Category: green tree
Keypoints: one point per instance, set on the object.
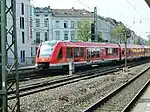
(117, 33)
(148, 41)
(84, 30)
(138, 41)
(99, 36)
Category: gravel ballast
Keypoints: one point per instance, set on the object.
(77, 96)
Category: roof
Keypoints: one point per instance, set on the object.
(133, 46)
(89, 44)
(72, 12)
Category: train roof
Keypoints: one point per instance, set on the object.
(89, 44)
(133, 46)
(80, 44)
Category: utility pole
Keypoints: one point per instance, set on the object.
(3, 74)
(48, 38)
(95, 23)
(127, 34)
(94, 37)
(125, 51)
(6, 47)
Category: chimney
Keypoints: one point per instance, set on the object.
(49, 7)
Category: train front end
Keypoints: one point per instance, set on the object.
(44, 53)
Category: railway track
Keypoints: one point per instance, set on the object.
(45, 85)
(123, 98)
(32, 73)
(38, 87)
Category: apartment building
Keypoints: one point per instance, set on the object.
(22, 25)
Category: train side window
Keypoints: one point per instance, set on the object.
(109, 51)
(98, 52)
(69, 52)
(60, 54)
(106, 51)
(93, 52)
(81, 52)
(115, 51)
(76, 52)
(101, 51)
(123, 51)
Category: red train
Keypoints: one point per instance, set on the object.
(59, 53)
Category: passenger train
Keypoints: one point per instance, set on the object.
(54, 53)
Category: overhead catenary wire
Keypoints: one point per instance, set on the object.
(84, 4)
(135, 11)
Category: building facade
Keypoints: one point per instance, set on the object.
(22, 29)
(62, 24)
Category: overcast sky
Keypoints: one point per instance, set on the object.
(135, 14)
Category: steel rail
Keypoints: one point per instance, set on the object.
(37, 87)
(53, 84)
(105, 99)
(130, 105)
(32, 73)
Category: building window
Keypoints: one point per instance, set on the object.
(57, 35)
(37, 37)
(46, 22)
(22, 56)
(46, 36)
(22, 8)
(37, 15)
(65, 24)
(72, 35)
(72, 24)
(37, 22)
(57, 24)
(22, 22)
(66, 35)
(23, 40)
(46, 15)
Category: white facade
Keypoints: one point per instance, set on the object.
(42, 27)
(61, 25)
(22, 29)
(64, 28)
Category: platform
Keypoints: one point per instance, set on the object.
(144, 103)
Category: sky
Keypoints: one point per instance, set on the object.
(135, 14)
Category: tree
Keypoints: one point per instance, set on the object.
(84, 30)
(148, 41)
(117, 33)
(138, 41)
(99, 36)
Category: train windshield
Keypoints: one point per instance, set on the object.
(46, 50)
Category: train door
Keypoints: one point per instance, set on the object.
(88, 54)
(102, 54)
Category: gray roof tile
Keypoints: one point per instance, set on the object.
(72, 12)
